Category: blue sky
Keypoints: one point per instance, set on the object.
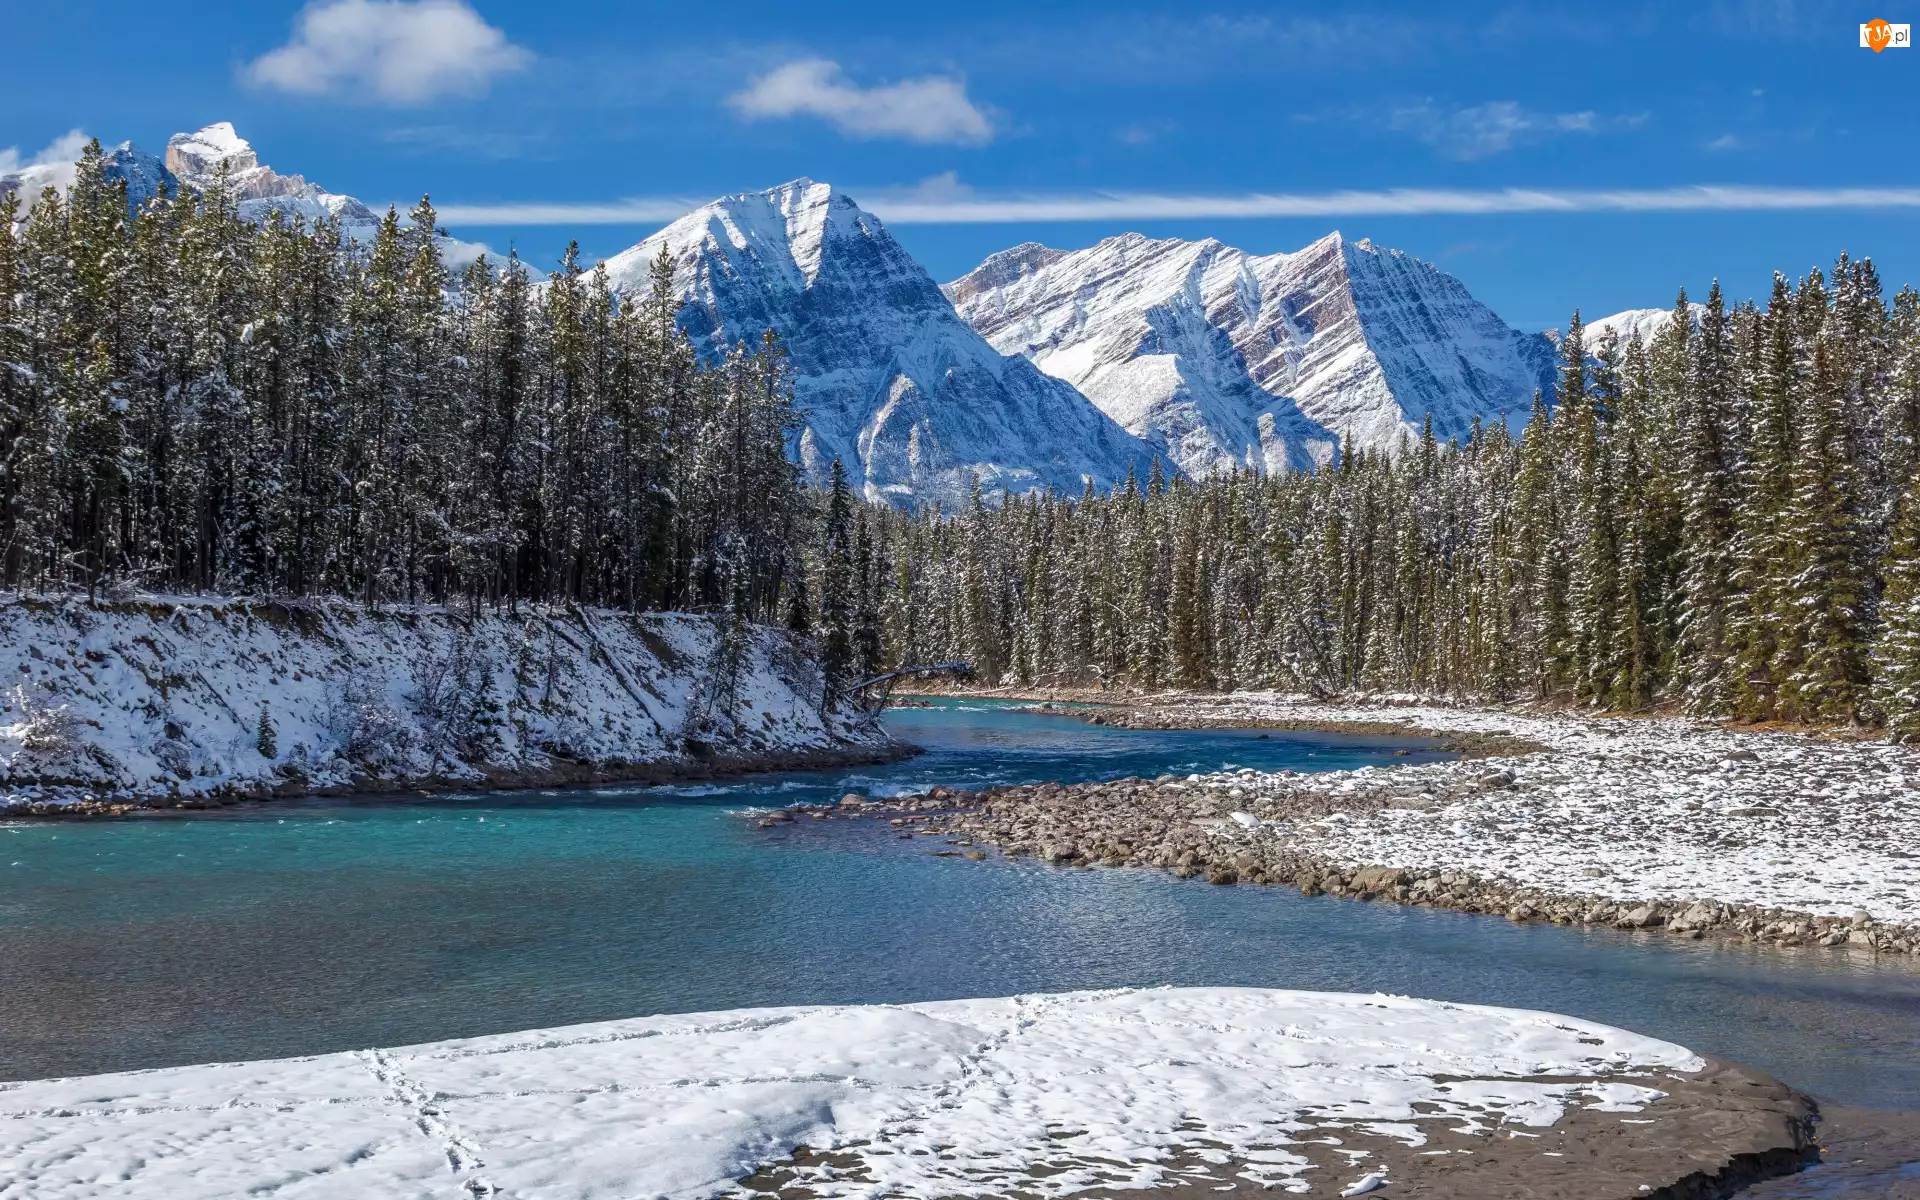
(974, 127)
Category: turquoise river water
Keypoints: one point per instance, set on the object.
(299, 927)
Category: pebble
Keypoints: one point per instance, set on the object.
(1242, 827)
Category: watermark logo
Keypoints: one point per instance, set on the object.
(1881, 35)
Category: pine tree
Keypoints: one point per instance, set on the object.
(1896, 652)
(836, 616)
(1707, 527)
(1824, 601)
(1598, 600)
(266, 738)
(1766, 492)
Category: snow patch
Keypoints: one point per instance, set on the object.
(1646, 808)
(195, 697)
(954, 1098)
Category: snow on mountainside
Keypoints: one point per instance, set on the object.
(198, 157)
(1230, 358)
(1645, 322)
(894, 384)
(1142, 327)
(142, 172)
(194, 162)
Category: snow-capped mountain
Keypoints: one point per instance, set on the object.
(142, 172)
(193, 163)
(1145, 329)
(197, 158)
(1225, 357)
(1644, 322)
(894, 384)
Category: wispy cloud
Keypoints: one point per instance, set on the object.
(50, 167)
(914, 207)
(395, 51)
(642, 210)
(931, 109)
(1495, 127)
(62, 151)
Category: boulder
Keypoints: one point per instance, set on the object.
(1378, 879)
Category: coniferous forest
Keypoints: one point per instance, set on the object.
(1726, 520)
(192, 402)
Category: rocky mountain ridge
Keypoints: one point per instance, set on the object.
(912, 401)
(1040, 368)
(1230, 359)
(198, 158)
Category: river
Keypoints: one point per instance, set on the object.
(299, 927)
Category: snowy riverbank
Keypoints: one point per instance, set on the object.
(1315, 1093)
(190, 700)
(1695, 828)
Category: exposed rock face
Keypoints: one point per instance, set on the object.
(1230, 359)
(1145, 329)
(197, 159)
(911, 400)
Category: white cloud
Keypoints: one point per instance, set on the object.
(51, 167)
(944, 188)
(397, 51)
(642, 210)
(932, 109)
(1470, 133)
(62, 151)
(1725, 141)
(912, 207)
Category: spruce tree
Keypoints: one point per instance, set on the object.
(1707, 526)
(1825, 598)
(1896, 651)
(1761, 550)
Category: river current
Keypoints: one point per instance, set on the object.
(300, 927)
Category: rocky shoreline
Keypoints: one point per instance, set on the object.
(1535, 783)
(1189, 830)
(1712, 1133)
(1465, 743)
(560, 775)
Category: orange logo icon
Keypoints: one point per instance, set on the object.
(1885, 35)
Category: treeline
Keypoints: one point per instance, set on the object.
(192, 402)
(1724, 519)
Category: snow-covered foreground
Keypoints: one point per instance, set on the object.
(1626, 809)
(957, 1098)
(168, 698)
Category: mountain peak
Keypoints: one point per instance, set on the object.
(202, 153)
(198, 158)
(1642, 323)
(1001, 269)
(1230, 359)
(894, 384)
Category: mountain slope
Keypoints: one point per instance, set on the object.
(197, 158)
(142, 172)
(1145, 329)
(1230, 358)
(1644, 322)
(193, 163)
(911, 400)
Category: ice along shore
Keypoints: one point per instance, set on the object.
(1091, 1093)
(190, 702)
(1659, 824)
